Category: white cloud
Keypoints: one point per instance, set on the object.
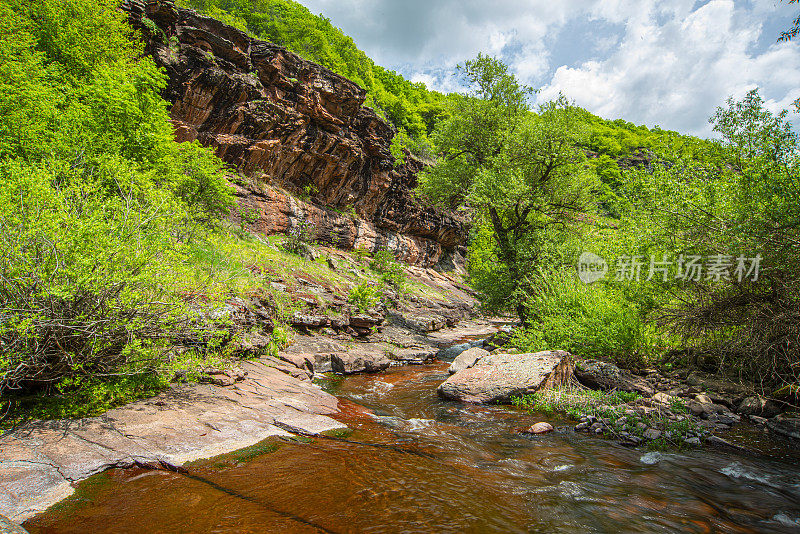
(648, 61)
(674, 68)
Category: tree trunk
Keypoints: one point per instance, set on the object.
(508, 255)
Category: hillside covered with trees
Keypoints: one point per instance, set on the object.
(112, 234)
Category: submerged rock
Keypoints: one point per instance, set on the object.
(467, 359)
(497, 378)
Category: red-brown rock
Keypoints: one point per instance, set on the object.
(290, 125)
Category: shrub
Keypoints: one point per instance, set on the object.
(391, 271)
(98, 203)
(590, 321)
(363, 297)
(299, 236)
(362, 253)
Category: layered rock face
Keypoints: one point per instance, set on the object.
(292, 129)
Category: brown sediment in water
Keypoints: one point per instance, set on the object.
(416, 463)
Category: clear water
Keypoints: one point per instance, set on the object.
(416, 463)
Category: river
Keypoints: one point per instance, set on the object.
(416, 463)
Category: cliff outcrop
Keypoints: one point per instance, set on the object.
(298, 135)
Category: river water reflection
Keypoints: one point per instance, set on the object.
(415, 463)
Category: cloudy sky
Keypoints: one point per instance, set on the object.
(655, 62)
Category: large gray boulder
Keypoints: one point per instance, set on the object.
(607, 376)
(499, 377)
(467, 359)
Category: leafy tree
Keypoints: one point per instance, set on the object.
(519, 174)
(748, 208)
(792, 32)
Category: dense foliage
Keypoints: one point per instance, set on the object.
(97, 201)
(543, 187)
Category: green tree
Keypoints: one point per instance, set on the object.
(519, 173)
(748, 208)
(792, 32)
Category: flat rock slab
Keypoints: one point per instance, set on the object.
(498, 377)
(40, 462)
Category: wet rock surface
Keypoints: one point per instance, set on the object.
(498, 378)
(787, 424)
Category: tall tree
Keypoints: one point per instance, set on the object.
(518, 173)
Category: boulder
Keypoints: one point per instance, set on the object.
(467, 359)
(606, 376)
(426, 323)
(254, 343)
(786, 424)
(759, 406)
(540, 428)
(449, 354)
(413, 356)
(498, 378)
(705, 409)
(299, 360)
(354, 362)
(364, 320)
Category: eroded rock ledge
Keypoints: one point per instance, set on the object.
(40, 462)
(290, 125)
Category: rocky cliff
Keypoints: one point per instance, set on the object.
(302, 143)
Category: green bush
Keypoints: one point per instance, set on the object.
(590, 321)
(363, 297)
(299, 237)
(391, 271)
(98, 203)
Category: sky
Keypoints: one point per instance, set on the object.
(669, 63)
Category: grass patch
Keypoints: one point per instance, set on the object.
(339, 433)
(612, 409)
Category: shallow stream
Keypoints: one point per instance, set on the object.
(416, 463)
